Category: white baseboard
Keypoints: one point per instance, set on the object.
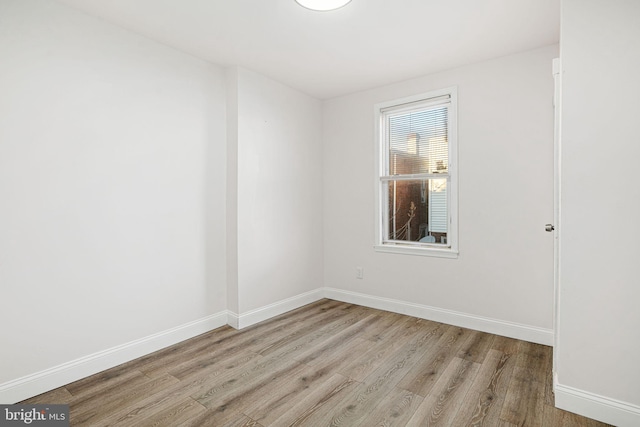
(252, 317)
(233, 319)
(484, 324)
(57, 376)
(599, 408)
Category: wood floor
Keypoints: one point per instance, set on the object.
(327, 364)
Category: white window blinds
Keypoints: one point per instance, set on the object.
(418, 142)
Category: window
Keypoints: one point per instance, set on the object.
(416, 181)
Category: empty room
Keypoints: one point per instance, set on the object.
(319, 212)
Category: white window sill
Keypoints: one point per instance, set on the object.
(421, 251)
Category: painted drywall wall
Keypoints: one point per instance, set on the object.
(599, 320)
(110, 147)
(505, 267)
(231, 79)
(279, 191)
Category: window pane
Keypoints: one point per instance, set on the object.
(417, 211)
(418, 142)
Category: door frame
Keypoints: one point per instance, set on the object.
(557, 156)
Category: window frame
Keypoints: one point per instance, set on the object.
(382, 111)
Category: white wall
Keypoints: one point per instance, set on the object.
(599, 319)
(132, 205)
(110, 147)
(505, 268)
(279, 192)
(231, 78)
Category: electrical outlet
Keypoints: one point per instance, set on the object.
(359, 272)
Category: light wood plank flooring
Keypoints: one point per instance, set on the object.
(327, 364)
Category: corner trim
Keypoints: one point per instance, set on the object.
(251, 317)
(598, 407)
(233, 319)
(58, 376)
(479, 323)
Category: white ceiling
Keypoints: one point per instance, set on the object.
(365, 44)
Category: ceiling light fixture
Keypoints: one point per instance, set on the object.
(322, 5)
